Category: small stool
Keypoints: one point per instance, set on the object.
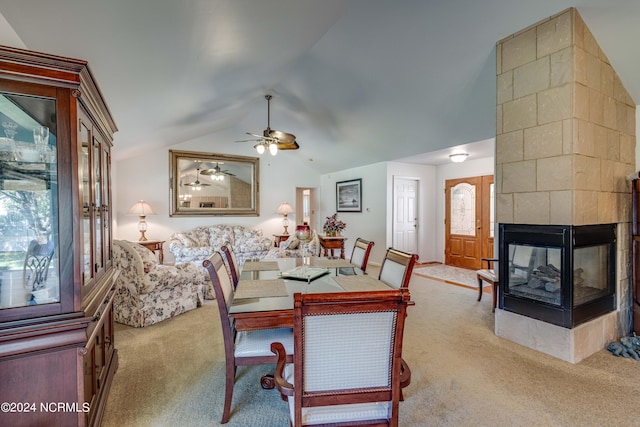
(490, 276)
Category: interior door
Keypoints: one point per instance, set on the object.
(405, 214)
(463, 235)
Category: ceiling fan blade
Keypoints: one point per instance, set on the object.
(248, 140)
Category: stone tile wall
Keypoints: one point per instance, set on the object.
(565, 135)
(565, 138)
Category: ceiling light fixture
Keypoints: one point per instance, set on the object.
(272, 140)
(458, 157)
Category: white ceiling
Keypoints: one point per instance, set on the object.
(358, 82)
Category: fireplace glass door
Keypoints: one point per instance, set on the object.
(535, 273)
(590, 270)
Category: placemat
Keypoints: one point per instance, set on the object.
(332, 263)
(261, 266)
(260, 289)
(361, 283)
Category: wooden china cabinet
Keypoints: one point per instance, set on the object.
(57, 281)
(635, 248)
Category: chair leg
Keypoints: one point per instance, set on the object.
(228, 393)
(479, 288)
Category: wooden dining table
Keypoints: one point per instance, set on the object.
(276, 311)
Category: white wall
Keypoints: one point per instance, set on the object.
(147, 177)
(370, 224)
(469, 168)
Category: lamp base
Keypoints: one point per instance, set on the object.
(142, 237)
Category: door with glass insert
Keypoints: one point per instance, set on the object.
(469, 221)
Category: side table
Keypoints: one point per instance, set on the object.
(279, 238)
(155, 246)
(331, 243)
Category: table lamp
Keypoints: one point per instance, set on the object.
(142, 209)
(285, 209)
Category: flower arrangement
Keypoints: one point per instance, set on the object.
(333, 225)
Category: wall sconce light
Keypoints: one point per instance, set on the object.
(285, 209)
(458, 157)
(142, 209)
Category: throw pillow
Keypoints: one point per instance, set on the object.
(294, 243)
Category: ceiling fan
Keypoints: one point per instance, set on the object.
(216, 173)
(197, 185)
(271, 139)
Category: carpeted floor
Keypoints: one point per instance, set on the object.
(449, 274)
(172, 374)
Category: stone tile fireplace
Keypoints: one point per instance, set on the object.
(565, 143)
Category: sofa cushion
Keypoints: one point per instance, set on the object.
(187, 239)
(219, 235)
(200, 235)
(291, 243)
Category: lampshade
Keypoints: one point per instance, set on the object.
(458, 157)
(284, 208)
(142, 209)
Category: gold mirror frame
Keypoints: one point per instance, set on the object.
(194, 191)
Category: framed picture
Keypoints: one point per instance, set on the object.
(349, 196)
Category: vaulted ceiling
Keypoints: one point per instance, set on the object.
(358, 82)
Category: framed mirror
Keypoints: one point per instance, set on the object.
(212, 184)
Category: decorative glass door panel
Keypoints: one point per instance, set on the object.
(97, 205)
(29, 251)
(463, 209)
(85, 191)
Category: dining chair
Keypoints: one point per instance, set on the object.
(232, 263)
(241, 348)
(397, 267)
(348, 367)
(489, 275)
(359, 257)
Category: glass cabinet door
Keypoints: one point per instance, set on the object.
(95, 193)
(29, 246)
(85, 194)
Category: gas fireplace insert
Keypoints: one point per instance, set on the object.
(560, 274)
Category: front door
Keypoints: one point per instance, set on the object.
(405, 214)
(468, 221)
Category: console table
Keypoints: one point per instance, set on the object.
(155, 246)
(331, 243)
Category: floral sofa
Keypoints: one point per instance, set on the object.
(199, 243)
(147, 292)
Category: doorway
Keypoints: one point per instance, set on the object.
(405, 214)
(306, 206)
(469, 221)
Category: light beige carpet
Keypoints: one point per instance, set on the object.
(172, 374)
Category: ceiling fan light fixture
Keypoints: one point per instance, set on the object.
(273, 148)
(271, 139)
